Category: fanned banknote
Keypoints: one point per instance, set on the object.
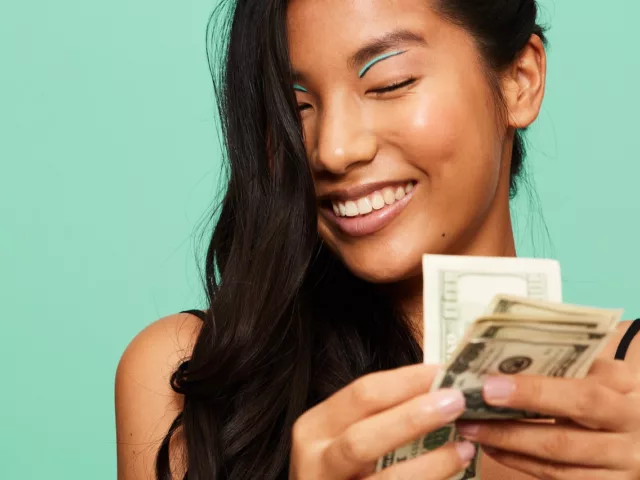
(457, 290)
(511, 347)
(495, 315)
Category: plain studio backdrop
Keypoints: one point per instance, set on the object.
(109, 165)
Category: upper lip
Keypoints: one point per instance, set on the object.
(358, 191)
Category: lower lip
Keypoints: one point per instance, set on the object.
(371, 223)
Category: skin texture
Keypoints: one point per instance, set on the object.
(445, 133)
(144, 401)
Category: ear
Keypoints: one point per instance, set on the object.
(523, 84)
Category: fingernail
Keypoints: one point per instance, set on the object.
(466, 451)
(450, 402)
(469, 430)
(497, 390)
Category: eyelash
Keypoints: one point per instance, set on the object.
(377, 91)
(393, 87)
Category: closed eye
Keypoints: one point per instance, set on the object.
(303, 106)
(393, 87)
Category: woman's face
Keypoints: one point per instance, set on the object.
(402, 132)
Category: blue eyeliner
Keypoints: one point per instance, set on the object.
(300, 88)
(379, 58)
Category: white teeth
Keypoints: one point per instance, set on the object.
(352, 209)
(377, 202)
(364, 206)
(389, 196)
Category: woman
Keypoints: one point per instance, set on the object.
(360, 135)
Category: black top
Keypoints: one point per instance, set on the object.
(620, 352)
(197, 313)
(626, 339)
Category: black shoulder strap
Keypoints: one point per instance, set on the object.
(197, 313)
(626, 340)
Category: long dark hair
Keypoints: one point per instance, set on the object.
(287, 323)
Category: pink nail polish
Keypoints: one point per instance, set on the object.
(497, 390)
(450, 402)
(466, 451)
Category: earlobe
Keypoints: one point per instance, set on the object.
(523, 84)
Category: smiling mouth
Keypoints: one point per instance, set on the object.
(365, 205)
(370, 213)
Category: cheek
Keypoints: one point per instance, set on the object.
(427, 132)
(448, 137)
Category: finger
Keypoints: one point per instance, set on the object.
(551, 470)
(368, 395)
(615, 374)
(367, 440)
(439, 464)
(553, 443)
(585, 401)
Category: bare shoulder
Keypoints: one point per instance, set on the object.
(145, 403)
(633, 352)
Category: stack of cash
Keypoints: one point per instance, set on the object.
(486, 316)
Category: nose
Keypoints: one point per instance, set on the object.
(344, 138)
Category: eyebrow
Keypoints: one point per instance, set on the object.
(375, 48)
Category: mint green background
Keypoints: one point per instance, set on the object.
(108, 166)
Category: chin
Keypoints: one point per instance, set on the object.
(393, 254)
(381, 266)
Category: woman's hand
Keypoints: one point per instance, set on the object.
(596, 436)
(342, 437)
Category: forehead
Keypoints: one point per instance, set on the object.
(323, 28)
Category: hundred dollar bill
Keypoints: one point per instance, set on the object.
(578, 316)
(518, 329)
(560, 344)
(423, 445)
(457, 290)
(504, 348)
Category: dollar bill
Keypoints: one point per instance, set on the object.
(423, 445)
(513, 349)
(562, 344)
(458, 290)
(516, 330)
(574, 316)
